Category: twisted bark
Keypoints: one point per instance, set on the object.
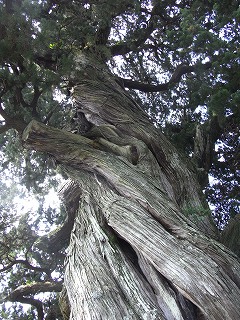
(133, 253)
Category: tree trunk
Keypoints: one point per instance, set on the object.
(133, 253)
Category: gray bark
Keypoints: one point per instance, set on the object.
(133, 254)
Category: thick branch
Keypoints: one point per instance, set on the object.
(34, 302)
(175, 78)
(4, 128)
(58, 238)
(35, 288)
(19, 294)
(36, 129)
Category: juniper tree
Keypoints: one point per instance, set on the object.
(149, 108)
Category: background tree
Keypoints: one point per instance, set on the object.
(149, 107)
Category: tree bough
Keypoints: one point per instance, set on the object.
(136, 203)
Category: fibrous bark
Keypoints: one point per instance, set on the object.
(133, 254)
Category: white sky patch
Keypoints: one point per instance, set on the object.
(30, 203)
(25, 202)
(203, 111)
(58, 95)
(52, 199)
(26, 205)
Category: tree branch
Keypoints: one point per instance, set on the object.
(20, 99)
(26, 264)
(33, 105)
(141, 35)
(35, 288)
(11, 122)
(34, 302)
(104, 30)
(19, 294)
(4, 128)
(175, 78)
(58, 238)
(126, 47)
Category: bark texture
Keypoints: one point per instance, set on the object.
(133, 253)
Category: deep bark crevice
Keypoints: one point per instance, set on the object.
(128, 214)
(143, 203)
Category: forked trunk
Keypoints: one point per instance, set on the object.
(133, 253)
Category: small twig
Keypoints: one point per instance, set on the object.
(26, 264)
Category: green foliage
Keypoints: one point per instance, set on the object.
(197, 212)
(17, 311)
(223, 192)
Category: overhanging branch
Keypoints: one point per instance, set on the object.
(35, 303)
(175, 78)
(24, 294)
(35, 288)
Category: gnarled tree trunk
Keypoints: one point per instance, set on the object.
(133, 253)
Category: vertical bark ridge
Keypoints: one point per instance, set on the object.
(106, 289)
(104, 101)
(141, 200)
(192, 273)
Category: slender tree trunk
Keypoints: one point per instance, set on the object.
(133, 253)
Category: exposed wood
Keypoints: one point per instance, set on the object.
(166, 267)
(230, 235)
(143, 214)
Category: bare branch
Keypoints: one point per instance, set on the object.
(19, 294)
(26, 264)
(34, 288)
(34, 302)
(175, 78)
